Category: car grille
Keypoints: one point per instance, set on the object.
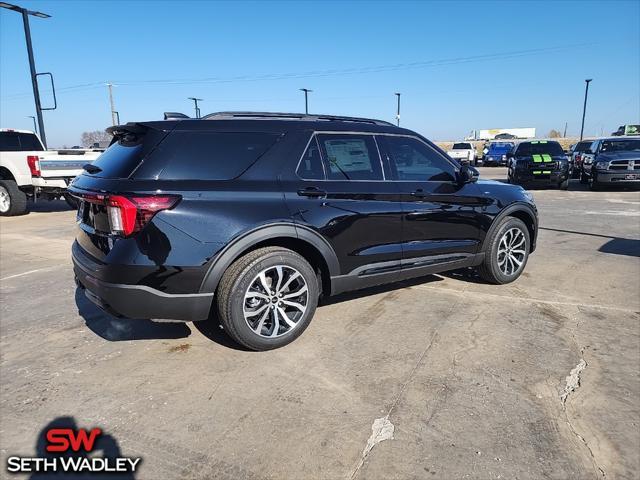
(624, 165)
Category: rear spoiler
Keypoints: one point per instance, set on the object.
(175, 116)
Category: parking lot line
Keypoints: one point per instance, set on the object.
(485, 295)
(30, 272)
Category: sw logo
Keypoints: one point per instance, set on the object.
(61, 439)
(67, 449)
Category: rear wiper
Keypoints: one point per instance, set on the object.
(91, 168)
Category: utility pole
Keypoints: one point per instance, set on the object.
(35, 128)
(32, 64)
(195, 101)
(306, 99)
(398, 111)
(584, 108)
(565, 129)
(113, 108)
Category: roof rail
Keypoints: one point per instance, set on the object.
(291, 116)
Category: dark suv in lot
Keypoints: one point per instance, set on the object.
(538, 162)
(255, 216)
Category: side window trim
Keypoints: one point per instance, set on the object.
(313, 138)
(329, 132)
(445, 158)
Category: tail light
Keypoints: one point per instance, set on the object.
(34, 165)
(128, 215)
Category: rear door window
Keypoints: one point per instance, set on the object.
(350, 157)
(310, 166)
(211, 155)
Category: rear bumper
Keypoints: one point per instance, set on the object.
(137, 301)
(60, 183)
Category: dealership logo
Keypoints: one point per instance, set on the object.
(73, 450)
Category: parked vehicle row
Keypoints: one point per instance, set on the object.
(604, 161)
(29, 172)
(255, 216)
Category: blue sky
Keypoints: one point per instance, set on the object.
(160, 53)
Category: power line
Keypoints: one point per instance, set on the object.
(329, 72)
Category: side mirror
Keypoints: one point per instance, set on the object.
(468, 174)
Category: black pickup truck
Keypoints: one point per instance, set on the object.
(538, 162)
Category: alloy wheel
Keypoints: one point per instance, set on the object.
(5, 200)
(512, 251)
(275, 301)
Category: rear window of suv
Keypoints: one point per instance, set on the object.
(211, 155)
(183, 155)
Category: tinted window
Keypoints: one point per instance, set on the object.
(462, 146)
(582, 146)
(541, 147)
(620, 145)
(211, 155)
(19, 142)
(413, 160)
(311, 163)
(125, 154)
(350, 157)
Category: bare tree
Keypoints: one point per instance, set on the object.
(554, 134)
(88, 139)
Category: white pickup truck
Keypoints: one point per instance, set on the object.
(463, 152)
(28, 171)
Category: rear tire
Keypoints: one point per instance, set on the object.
(261, 318)
(564, 185)
(13, 201)
(505, 247)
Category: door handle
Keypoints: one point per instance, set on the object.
(313, 192)
(418, 193)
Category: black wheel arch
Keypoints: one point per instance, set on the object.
(299, 238)
(519, 210)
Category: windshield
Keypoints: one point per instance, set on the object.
(582, 147)
(462, 146)
(620, 145)
(537, 148)
(500, 147)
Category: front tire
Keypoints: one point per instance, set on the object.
(506, 253)
(13, 201)
(267, 298)
(564, 185)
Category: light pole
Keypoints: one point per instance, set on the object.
(115, 117)
(35, 128)
(306, 99)
(398, 114)
(584, 108)
(195, 101)
(32, 64)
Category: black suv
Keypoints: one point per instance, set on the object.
(538, 162)
(256, 215)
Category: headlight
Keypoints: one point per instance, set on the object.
(602, 165)
(504, 157)
(491, 158)
(529, 196)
